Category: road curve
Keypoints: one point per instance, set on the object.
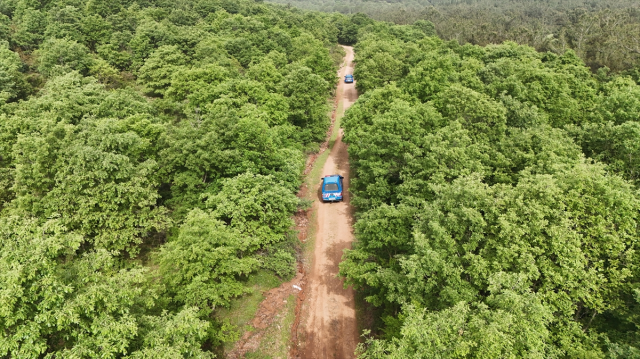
(328, 324)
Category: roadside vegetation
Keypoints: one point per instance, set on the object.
(497, 198)
(602, 33)
(150, 152)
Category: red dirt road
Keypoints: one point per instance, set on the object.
(328, 327)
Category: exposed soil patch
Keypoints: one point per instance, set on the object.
(270, 308)
(276, 299)
(326, 320)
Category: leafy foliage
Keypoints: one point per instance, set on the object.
(149, 156)
(57, 56)
(202, 265)
(11, 77)
(497, 201)
(604, 34)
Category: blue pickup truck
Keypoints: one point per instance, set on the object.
(332, 188)
(348, 79)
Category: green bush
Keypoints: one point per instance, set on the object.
(497, 200)
(59, 56)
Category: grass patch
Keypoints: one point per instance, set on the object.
(336, 125)
(368, 317)
(312, 147)
(309, 245)
(313, 181)
(313, 178)
(275, 342)
(244, 308)
(337, 54)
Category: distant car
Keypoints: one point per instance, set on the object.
(348, 79)
(332, 188)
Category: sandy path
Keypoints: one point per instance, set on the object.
(328, 308)
(328, 323)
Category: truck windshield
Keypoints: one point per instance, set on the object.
(331, 187)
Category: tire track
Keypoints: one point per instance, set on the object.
(327, 318)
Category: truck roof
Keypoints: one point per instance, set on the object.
(331, 179)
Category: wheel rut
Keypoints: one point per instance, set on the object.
(327, 318)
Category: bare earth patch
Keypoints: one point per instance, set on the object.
(272, 311)
(326, 322)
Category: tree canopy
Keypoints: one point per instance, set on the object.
(150, 152)
(497, 201)
(604, 33)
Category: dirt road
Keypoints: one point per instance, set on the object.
(328, 325)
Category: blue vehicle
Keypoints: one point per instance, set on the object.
(332, 188)
(348, 79)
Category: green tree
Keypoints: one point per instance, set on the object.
(511, 324)
(202, 266)
(57, 302)
(156, 73)
(65, 23)
(30, 26)
(257, 206)
(96, 30)
(71, 307)
(12, 80)
(5, 30)
(483, 231)
(149, 156)
(59, 56)
(307, 108)
(97, 180)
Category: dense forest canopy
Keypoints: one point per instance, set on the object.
(602, 33)
(379, 7)
(150, 152)
(497, 198)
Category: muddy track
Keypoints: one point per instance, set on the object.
(273, 305)
(327, 318)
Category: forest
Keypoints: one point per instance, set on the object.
(497, 198)
(602, 33)
(150, 152)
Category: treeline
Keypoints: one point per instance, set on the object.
(497, 198)
(150, 152)
(602, 33)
